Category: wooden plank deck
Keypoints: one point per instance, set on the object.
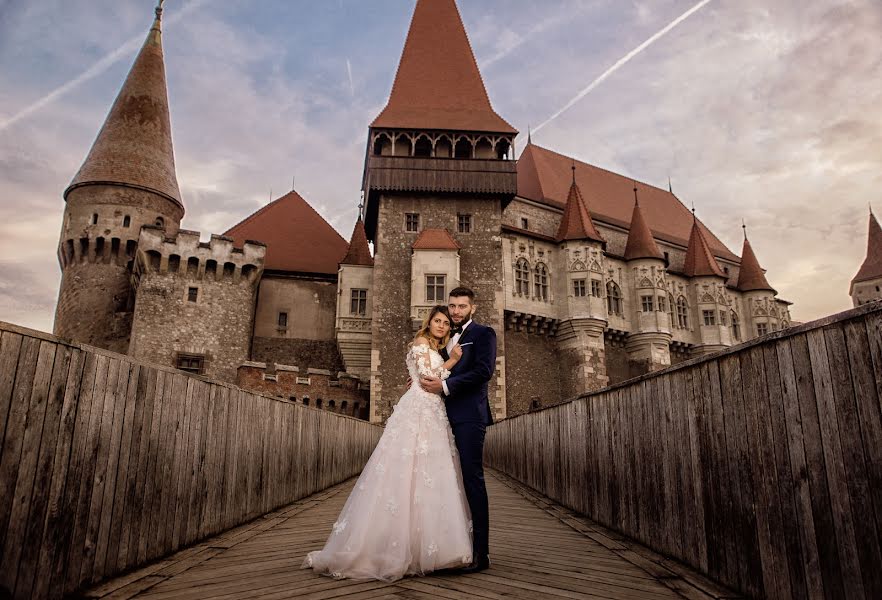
(538, 550)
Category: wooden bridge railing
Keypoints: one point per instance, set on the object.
(761, 466)
(106, 463)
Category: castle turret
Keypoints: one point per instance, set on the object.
(648, 343)
(195, 301)
(355, 281)
(707, 293)
(438, 157)
(583, 317)
(867, 284)
(127, 180)
(757, 295)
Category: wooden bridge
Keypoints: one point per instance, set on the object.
(754, 472)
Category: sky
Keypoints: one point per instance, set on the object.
(768, 111)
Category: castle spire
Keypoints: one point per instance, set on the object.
(438, 84)
(576, 223)
(134, 146)
(872, 266)
(750, 276)
(358, 253)
(700, 260)
(640, 244)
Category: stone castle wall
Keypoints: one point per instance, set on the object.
(532, 372)
(218, 324)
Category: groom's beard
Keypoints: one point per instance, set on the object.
(463, 320)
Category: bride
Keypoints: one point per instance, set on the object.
(407, 514)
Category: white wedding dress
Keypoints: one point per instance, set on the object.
(407, 514)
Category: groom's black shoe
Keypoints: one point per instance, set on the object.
(482, 564)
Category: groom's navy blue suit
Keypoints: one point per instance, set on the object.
(468, 409)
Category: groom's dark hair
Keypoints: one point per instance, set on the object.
(459, 292)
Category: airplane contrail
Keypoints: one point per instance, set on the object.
(621, 62)
(99, 67)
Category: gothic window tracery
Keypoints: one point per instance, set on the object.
(613, 298)
(522, 277)
(541, 282)
(682, 313)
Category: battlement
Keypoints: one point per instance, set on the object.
(185, 254)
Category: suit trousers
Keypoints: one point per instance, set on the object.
(470, 445)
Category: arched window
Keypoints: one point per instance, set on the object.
(211, 268)
(154, 259)
(484, 149)
(127, 220)
(736, 326)
(502, 147)
(522, 277)
(682, 313)
(671, 310)
(382, 145)
(160, 222)
(443, 147)
(423, 146)
(192, 265)
(613, 298)
(463, 148)
(540, 280)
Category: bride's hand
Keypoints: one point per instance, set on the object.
(456, 352)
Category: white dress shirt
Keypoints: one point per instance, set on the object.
(454, 339)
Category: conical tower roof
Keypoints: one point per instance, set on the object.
(640, 244)
(872, 267)
(134, 146)
(438, 84)
(700, 260)
(359, 253)
(750, 276)
(576, 223)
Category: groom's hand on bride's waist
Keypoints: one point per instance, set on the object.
(431, 384)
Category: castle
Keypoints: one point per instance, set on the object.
(588, 277)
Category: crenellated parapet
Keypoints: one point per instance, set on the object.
(184, 254)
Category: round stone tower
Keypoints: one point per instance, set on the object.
(127, 180)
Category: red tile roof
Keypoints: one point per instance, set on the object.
(435, 239)
(134, 145)
(751, 276)
(700, 260)
(872, 267)
(545, 176)
(576, 222)
(297, 238)
(358, 253)
(438, 84)
(640, 244)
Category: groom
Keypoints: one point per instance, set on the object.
(468, 410)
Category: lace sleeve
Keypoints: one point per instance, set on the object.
(423, 358)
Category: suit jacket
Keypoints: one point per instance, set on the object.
(468, 400)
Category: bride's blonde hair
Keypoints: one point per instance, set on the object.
(434, 343)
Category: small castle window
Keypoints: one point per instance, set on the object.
(463, 148)
(647, 303)
(306, 401)
(667, 259)
(95, 219)
(358, 303)
(502, 148)
(127, 221)
(522, 277)
(332, 404)
(525, 223)
(229, 269)
(579, 290)
(435, 288)
(344, 405)
(723, 318)
(192, 363)
(464, 223)
(355, 408)
(283, 320)
(726, 270)
(318, 402)
(762, 328)
(540, 280)
(192, 265)
(155, 259)
(660, 307)
(192, 294)
(709, 317)
(411, 222)
(671, 310)
(160, 222)
(595, 288)
(613, 299)
(211, 268)
(682, 313)
(174, 263)
(736, 329)
(423, 147)
(534, 403)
